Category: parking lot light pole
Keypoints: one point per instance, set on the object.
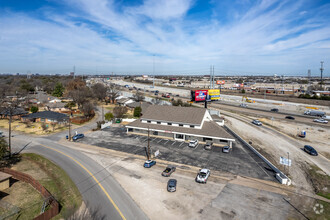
(288, 162)
(148, 153)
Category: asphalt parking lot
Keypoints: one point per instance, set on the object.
(240, 160)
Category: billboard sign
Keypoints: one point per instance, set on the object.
(220, 82)
(214, 94)
(200, 95)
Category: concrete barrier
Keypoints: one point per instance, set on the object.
(280, 176)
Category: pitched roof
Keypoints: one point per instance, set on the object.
(209, 129)
(16, 111)
(176, 114)
(144, 105)
(48, 115)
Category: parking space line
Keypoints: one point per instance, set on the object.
(166, 141)
(153, 139)
(160, 140)
(181, 144)
(196, 147)
(173, 143)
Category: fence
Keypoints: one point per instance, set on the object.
(55, 208)
(280, 176)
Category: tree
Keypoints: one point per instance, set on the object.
(137, 111)
(88, 108)
(119, 111)
(3, 147)
(78, 91)
(70, 105)
(138, 96)
(243, 91)
(108, 116)
(113, 92)
(34, 109)
(53, 124)
(99, 91)
(58, 90)
(44, 126)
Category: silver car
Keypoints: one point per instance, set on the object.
(193, 143)
(321, 120)
(208, 146)
(203, 175)
(171, 185)
(226, 149)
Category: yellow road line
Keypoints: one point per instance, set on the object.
(96, 180)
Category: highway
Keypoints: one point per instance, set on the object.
(102, 194)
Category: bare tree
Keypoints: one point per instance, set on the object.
(78, 91)
(113, 92)
(99, 91)
(156, 101)
(88, 108)
(138, 96)
(119, 111)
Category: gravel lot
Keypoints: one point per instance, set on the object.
(240, 161)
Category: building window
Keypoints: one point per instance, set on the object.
(130, 129)
(158, 122)
(179, 136)
(169, 123)
(149, 121)
(192, 126)
(155, 133)
(181, 125)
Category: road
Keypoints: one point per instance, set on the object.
(102, 194)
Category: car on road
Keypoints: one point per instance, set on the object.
(168, 171)
(193, 143)
(274, 110)
(171, 185)
(243, 105)
(290, 117)
(78, 136)
(208, 146)
(226, 149)
(320, 120)
(309, 149)
(257, 122)
(203, 175)
(149, 163)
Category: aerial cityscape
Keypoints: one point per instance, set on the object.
(164, 109)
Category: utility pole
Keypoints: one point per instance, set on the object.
(288, 163)
(148, 151)
(69, 138)
(102, 113)
(9, 138)
(322, 73)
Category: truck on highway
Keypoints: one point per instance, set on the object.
(314, 113)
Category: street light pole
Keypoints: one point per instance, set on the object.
(288, 162)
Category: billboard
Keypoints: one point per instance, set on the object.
(219, 82)
(200, 95)
(214, 94)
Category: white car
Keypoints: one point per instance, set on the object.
(257, 122)
(203, 175)
(320, 120)
(226, 149)
(243, 105)
(193, 143)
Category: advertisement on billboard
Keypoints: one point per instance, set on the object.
(200, 95)
(214, 94)
(220, 82)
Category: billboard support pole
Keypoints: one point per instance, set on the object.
(205, 105)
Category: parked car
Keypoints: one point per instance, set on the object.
(290, 117)
(274, 110)
(226, 149)
(149, 163)
(309, 149)
(193, 143)
(257, 122)
(208, 146)
(203, 175)
(168, 171)
(1, 134)
(321, 120)
(243, 105)
(78, 136)
(171, 185)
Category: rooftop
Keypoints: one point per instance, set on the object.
(187, 115)
(47, 115)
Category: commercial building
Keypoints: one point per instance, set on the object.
(181, 124)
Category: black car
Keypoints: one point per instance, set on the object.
(290, 117)
(274, 110)
(171, 185)
(310, 150)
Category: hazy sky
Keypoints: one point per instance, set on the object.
(168, 36)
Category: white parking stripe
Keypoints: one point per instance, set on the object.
(173, 143)
(160, 140)
(166, 141)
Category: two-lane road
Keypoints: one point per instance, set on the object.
(101, 192)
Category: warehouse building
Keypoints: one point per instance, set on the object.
(181, 124)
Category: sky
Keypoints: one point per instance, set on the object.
(184, 37)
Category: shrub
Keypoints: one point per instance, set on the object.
(137, 111)
(34, 109)
(108, 116)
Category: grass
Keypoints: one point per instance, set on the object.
(55, 180)
(320, 181)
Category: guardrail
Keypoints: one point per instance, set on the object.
(280, 176)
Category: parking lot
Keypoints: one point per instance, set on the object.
(240, 160)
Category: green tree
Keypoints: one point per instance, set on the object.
(243, 91)
(34, 109)
(3, 147)
(58, 90)
(108, 116)
(137, 111)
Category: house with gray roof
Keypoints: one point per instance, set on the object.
(47, 117)
(181, 124)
